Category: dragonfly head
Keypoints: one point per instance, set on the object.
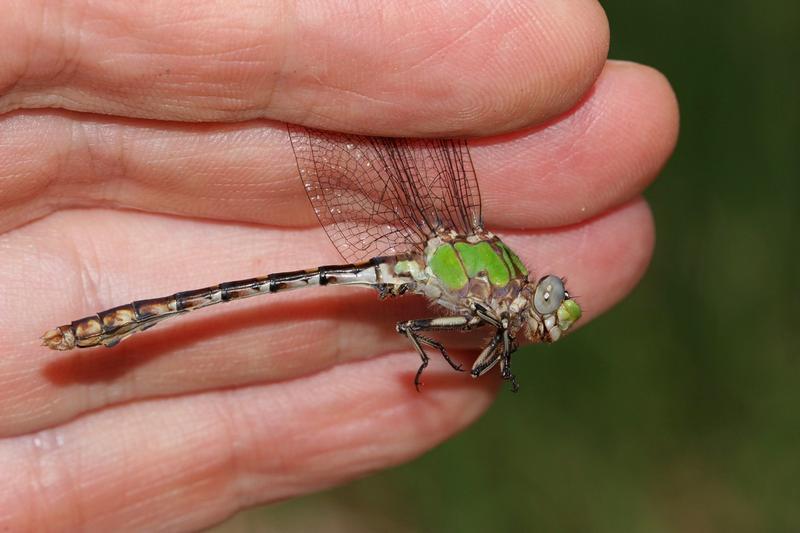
(552, 311)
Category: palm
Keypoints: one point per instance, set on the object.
(283, 395)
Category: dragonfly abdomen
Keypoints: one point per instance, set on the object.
(111, 326)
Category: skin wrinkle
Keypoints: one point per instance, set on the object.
(278, 467)
(19, 380)
(300, 344)
(47, 460)
(35, 485)
(351, 92)
(69, 65)
(279, 71)
(79, 505)
(548, 61)
(111, 188)
(23, 70)
(572, 78)
(79, 140)
(478, 107)
(89, 270)
(232, 466)
(230, 61)
(459, 37)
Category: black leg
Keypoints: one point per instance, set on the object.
(411, 329)
(425, 360)
(509, 347)
(484, 315)
(489, 357)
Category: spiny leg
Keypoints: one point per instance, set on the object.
(483, 313)
(423, 356)
(499, 350)
(488, 357)
(509, 347)
(411, 329)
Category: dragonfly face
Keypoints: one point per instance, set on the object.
(552, 311)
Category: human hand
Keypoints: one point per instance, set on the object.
(143, 151)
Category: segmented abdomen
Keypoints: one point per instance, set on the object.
(111, 326)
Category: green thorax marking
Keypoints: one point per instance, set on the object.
(445, 265)
(455, 264)
(512, 260)
(481, 257)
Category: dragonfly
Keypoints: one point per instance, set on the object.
(405, 214)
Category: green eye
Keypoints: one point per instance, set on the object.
(568, 313)
(549, 295)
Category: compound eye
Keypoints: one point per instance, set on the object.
(549, 295)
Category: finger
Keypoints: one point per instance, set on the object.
(185, 463)
(600, 155)
(55, 271)
(427, 68)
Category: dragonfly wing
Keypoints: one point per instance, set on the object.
(383, 196)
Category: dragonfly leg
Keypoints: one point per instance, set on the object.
(412, 329)
(423, 356)
(509, 347)
(488, 357)
(483, 314)
(498, 350)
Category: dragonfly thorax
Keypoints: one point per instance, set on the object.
(465, 273)
(460, 272)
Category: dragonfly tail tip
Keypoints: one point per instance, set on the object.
(60, 338)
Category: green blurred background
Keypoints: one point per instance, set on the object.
(680, 409)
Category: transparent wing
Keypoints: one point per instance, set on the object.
(382, 196)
